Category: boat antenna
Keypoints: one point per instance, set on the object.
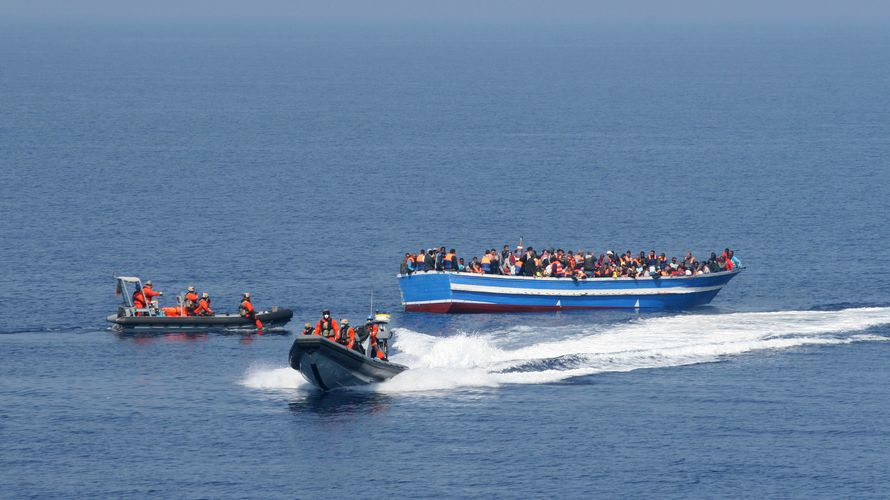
(372, 303)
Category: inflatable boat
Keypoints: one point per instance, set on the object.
(329, 365)
(152, 317)
(271, 319)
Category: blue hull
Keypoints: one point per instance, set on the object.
(463, 292)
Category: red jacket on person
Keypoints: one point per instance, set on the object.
(333, 326)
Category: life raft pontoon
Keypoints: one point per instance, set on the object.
(129, 317)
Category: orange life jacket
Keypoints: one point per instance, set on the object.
(191, 301)
(149, 292)
(139, 299)
(486, 263)
(246, 308)
(331, 325)
(204, 308)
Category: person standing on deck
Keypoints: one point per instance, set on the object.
(528, 262)
(485, 264)
(736, 263)
(440, 259)
(449, 262)
(407, 265)
(420, 263)
(327, 326)
(505, 255)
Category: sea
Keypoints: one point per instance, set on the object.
(299, 161)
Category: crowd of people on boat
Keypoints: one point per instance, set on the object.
(344, 334)
(191, 304)
(557, 263)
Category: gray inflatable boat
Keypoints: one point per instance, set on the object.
(329, 365)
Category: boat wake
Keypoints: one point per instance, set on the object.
(530, 355)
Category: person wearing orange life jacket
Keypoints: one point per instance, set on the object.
(139, 300)
(450, 261)
(378, 350)
(474, 266)
(346, 337)
(190, 301)
(203, 307)
(142, 297)
(371, 329)
(327, 326)
(555, 269)
(246, 311)
(485, 264)
(342, 336)
(407, 266)
(420, 262)
(149, 292)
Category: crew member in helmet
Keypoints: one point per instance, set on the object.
(347, 337)
(342, 336)
(369, 330)
(327, 326)
(203, 307)
(139, 299)
(246, 310)
(190, 302)
(307, 329)
(378, 349)
(142, 297)
(149, 292)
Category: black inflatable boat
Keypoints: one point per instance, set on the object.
(329, 365)
(153, 317)
(270, 319)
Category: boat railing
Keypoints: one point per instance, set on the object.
(589, 278)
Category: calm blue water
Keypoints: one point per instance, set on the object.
(301, 162)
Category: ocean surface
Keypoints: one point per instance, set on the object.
(300, 162)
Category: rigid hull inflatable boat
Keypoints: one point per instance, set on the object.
(329, 365)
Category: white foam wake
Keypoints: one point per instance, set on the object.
(526, 355)
(523, 355)
(273, 378)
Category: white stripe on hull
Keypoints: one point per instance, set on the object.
(503, 290)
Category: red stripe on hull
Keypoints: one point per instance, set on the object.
(465, 307)
(438, 307)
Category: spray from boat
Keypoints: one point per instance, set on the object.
(536, 355)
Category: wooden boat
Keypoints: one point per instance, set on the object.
(442, 292)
